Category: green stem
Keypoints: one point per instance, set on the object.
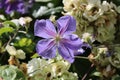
(81, 57)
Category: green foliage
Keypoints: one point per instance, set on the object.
(6, 30)
(35, 56)
(24, 42)
(9, 23)
(116, 77)
(46, 11)
(9, 72)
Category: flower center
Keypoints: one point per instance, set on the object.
(10, 1)
(57, 38)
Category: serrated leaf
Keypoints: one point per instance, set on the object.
(6, 30)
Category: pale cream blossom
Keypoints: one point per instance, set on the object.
(102, 50)
(36, 66)
(106, 6)
(87, 37)
(20, 54)
(43, 68)
(24, 20)
(93, 10)
(60, 67)
(11, 50)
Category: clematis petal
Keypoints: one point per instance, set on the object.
(46, 48)
(44, 29)
(51, 53)
(72, 41)
(66, 53)
(66, 25)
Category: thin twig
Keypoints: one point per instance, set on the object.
(83, 78)
(11, 38)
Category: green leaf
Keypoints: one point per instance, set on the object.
(6, 30)
(24, 42)
(97, 74)
(35, 55)
(9, 23)
(115, 77)
(10, 72)
(45, 11)
(54, 10)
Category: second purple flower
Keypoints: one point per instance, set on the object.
(59, 38)
(20, 6)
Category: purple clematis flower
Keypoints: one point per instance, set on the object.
(61, 39)
(15, 5)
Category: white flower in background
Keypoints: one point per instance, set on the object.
(58, 68)
(36, 66)
(20, 54)
(45, 69)
(118, 9)
(72, 5)
(106, 6)
(11, 50)
(87, 37)
(94, 17)
(102, 50)
(22, 21)
(93, 10)
(67, 76)
(70, 75)
(67, 5)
